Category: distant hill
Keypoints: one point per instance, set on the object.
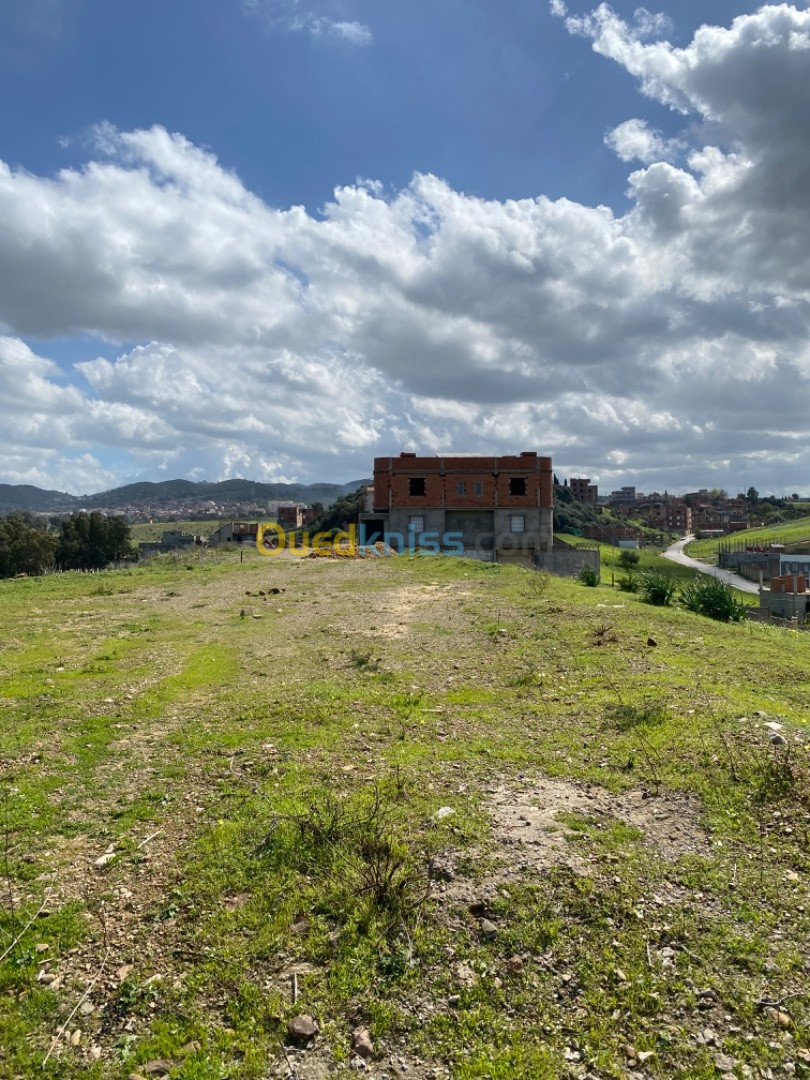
(26, 497)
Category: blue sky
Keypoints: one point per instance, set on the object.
(496, 98)
(508, 106)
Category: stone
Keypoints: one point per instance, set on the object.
(302, 1028)
(489, 931)
(158, 1067)
(651, 642)
(362, 1044)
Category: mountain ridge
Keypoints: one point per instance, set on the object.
(145, 493)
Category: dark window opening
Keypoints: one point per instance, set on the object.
(461, 488)
(517, 486)
(416, 485)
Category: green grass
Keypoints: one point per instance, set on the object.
(792, 533)
(208, 804)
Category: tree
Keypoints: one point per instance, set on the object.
(752, 495)
(26, 547)
(343, 512)
(93, 541)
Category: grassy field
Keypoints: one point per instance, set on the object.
(507, 825)
(792, 532)
(142, 533)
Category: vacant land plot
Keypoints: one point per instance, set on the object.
(417, 817)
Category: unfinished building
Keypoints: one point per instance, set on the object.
(492, 508)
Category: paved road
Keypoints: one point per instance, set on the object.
(675, 554)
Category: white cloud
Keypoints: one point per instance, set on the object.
(353, 32)
(633, 140)
(654, 345)
(292, 16)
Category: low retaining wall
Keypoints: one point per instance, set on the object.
(568, 563)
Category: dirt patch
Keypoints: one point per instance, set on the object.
(531, 819)
(392, 613)
(534, 831)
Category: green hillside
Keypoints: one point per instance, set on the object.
(791, 533)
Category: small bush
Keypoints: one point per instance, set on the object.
(370, 863)
(589, 577)
(629, 583)
(710, 597)
(657, 588)
(630, 717)
(628, 559)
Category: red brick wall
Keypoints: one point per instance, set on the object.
(442, 475)
(784, 584)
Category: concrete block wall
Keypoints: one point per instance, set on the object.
(568, 563)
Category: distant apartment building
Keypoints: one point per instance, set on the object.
(294, 517)
(488, 507)
(583, 490)
(668, 514)
(625, 496)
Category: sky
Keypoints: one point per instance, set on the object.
(277, 238)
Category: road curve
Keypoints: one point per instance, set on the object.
(675, 554)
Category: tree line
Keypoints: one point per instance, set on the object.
(82, 541)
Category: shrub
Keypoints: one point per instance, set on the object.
(628, 559)
(710, 597)
(657, 588)
(589, 577)
(629, 583)
(369, 862)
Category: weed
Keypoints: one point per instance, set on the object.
(657, 588)
(712, 598)
(365, 661)
(362, 846)
(589, 577)
(632, 717)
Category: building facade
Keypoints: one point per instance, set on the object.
(294, 517)
(488, 507)
(583, 490)
(234, 532)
